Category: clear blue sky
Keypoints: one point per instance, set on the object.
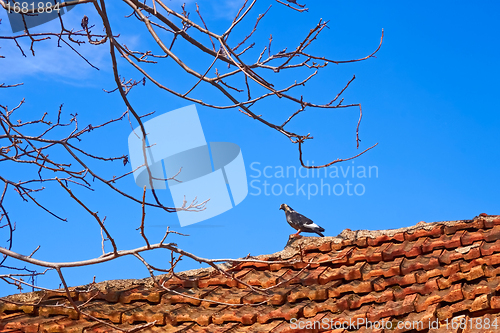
(430, 99)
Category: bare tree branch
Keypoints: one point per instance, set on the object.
(222, 64)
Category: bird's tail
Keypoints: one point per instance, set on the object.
(319, 230)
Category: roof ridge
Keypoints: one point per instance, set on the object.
(352, 235)
(293, 245)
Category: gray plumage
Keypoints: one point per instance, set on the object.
(299, 222)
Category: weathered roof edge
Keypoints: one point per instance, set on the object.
(293, 245)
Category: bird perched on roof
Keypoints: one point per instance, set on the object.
(299, 222)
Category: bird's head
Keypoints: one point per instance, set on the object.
(284, 207)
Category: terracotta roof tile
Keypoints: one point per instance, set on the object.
(311, 292)
(212, 328)
(110, 311)
(343, 272)
(256, 327)
(287, 311)
(264, 279)
(431, 273)
(144, 312)
(423, 233)
(192, 296)
(279, 295)
(336, 256)
(61, 309)
(380, 239)
(392, 308)
(331, 305)
(490, 223)
(243, 314)
(202, 316)
(356, 301)
(224, 295)
(381, 283)
(25, 322)
(141, 293)
(66, 325)
(472, 290)
(449, 241)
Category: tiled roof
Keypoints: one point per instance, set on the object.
(432, 273)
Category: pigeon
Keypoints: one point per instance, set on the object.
(299, 222)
